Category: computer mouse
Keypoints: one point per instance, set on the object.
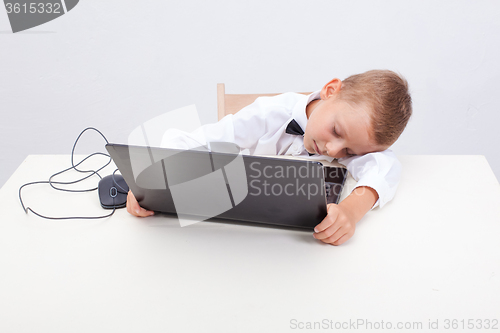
(112, 195)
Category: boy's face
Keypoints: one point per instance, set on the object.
(337, 128)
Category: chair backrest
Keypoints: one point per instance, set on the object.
(232, 103)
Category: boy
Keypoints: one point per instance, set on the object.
(354, 121)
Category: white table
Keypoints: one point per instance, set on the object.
(432, 254)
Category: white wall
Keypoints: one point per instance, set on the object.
(115, 64)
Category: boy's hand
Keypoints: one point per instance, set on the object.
(134, 208)
(337, 227)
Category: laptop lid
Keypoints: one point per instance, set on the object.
(255, 189)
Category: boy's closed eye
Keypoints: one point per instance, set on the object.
(335, 132)
(346, 149)
(349, 154)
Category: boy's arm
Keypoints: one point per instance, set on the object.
(340, 223)
(380, 171)
(134, 208)
(245, 128)
(378, 177)
(266, 115)
(360, 201)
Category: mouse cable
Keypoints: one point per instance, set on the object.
(75, 167)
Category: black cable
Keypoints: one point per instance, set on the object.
(116, 183)
(79, 180)
(26, 209)
(73, 166)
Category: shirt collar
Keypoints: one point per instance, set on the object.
(299, 112)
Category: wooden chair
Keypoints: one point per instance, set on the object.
(232, 103)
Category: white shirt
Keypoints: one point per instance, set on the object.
(260, 128)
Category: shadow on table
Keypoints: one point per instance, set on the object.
(166, 220)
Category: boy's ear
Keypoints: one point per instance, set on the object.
(331, 88)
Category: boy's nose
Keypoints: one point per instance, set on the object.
(333, 150)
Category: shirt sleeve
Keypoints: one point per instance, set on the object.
(255, 124)
(380, 171)
(222, 131)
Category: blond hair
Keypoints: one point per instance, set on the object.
(387, 95)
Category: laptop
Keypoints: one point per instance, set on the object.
(259, 190)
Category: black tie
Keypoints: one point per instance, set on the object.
(295, 129)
